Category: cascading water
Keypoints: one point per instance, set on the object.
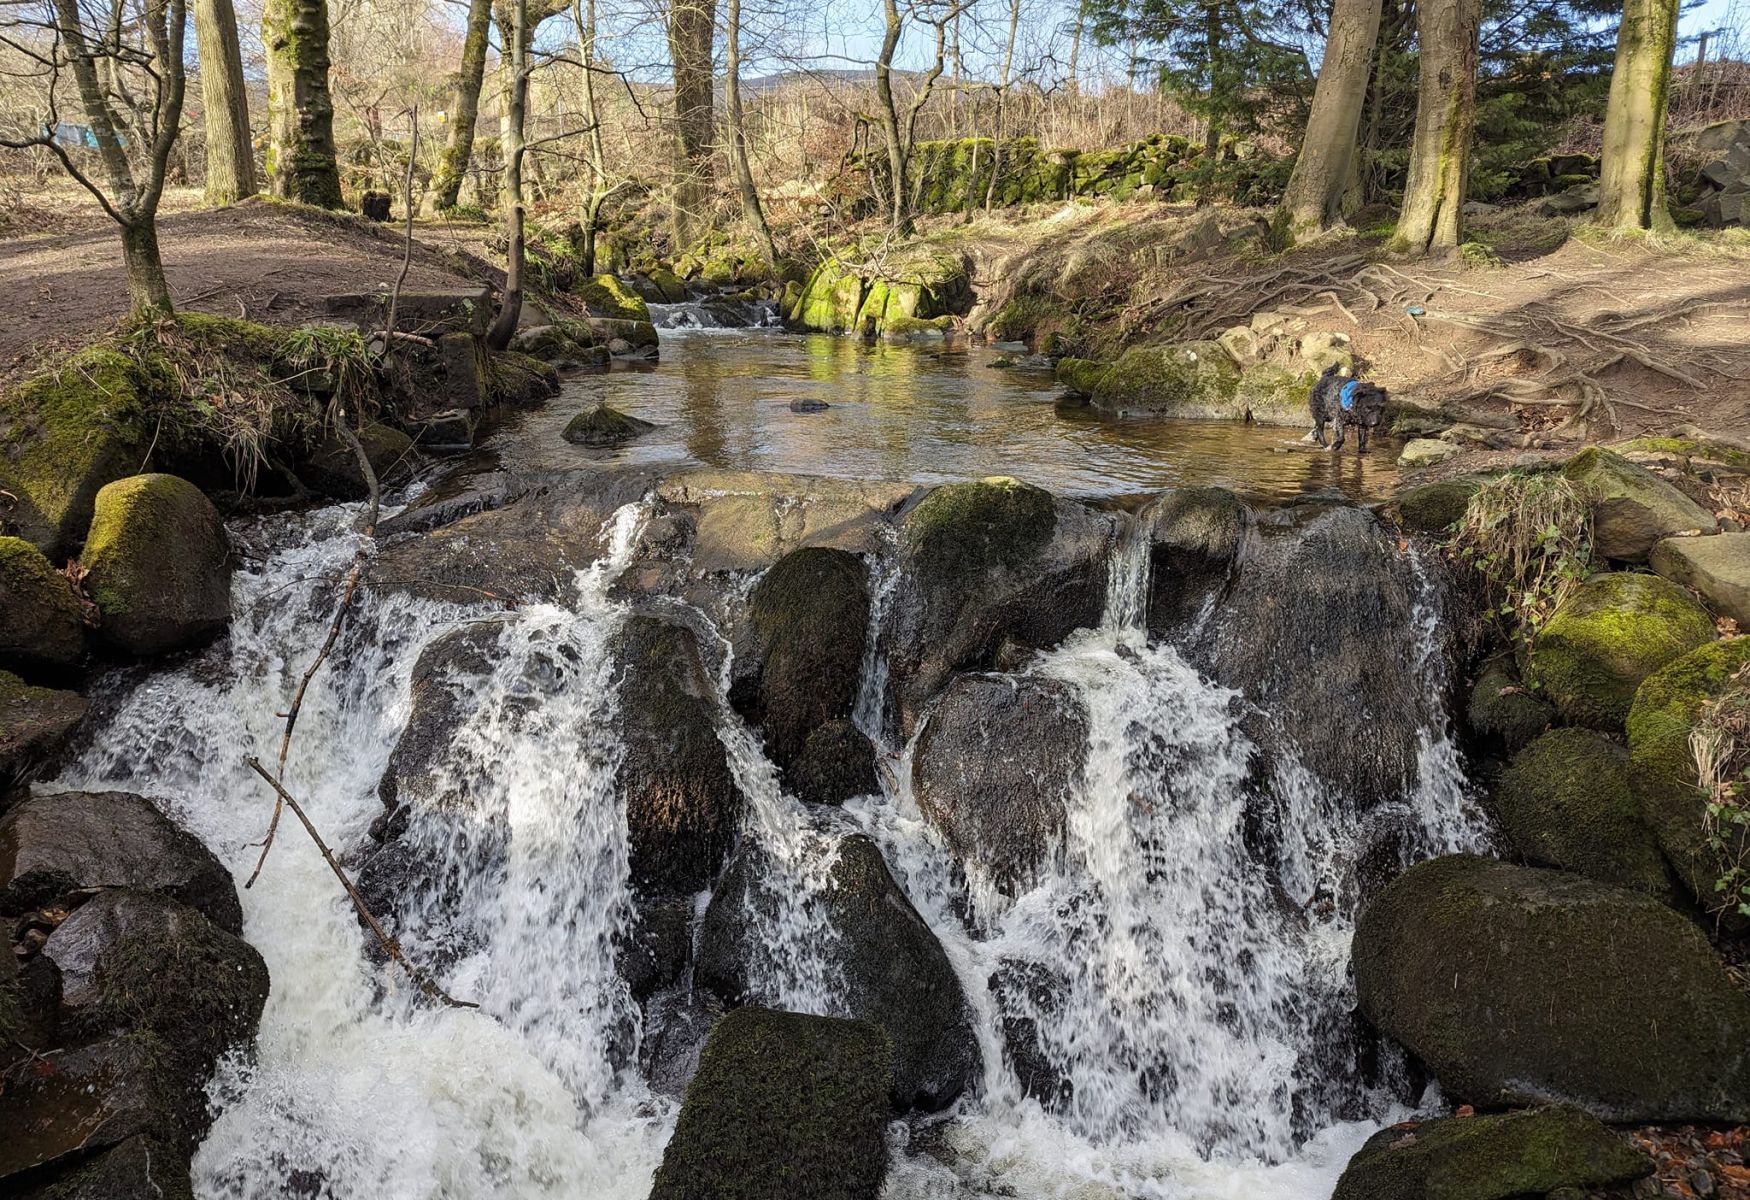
(715, 313)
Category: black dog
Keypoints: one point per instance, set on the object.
(1345, 402)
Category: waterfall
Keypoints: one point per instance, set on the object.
(715, 313)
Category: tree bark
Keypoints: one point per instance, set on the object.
(1322, 171)
(898, 214)
(1631, 181)
(751, 210)
(692, 28)
(996, 148)
(301, 164)
(511, 305)
(1433, 218)
(583, 12)
(452, 164)
(230, 152)
(147, 287)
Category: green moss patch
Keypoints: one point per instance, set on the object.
(964, 529)
(44, 629)
(1190, 379)
(608, 296)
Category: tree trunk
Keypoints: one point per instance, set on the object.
(511, 305)
(692, 27)
(1631, 180)
(898, 211)
(1432, 218)
(583, 12)
(996, 151)
(750, 196)
(147, 287)
(300, 112)
(452, 164)
(230, 155)
(1322, 171)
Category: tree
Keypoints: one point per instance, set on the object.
(692, 28)
(301, 163)
(1323, 168)
(1446, 110)
(738, 164)
(230, 151)
(898, 131)
(452, 164)
(1631, 181)
(584, 14)
(94, 47)
(510, 306)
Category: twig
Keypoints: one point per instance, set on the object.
(391, 947)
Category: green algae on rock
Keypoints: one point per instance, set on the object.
(44, 629)
(158, 565)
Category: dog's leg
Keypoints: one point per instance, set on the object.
(1342, 428)
(1319, 430)
(1361, 440)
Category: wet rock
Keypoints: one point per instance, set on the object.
(676, 1026)
(1566, 802)
(1435, 507)
(799, 657)
(998, 760)
(35, 724)
(1425, 452)
(653, 952)
(1634, 508)
(808, 406)
(444, 678)
(451, 499)
(81, 1100)
(1195, 534)
(682, 805)
(333, 468)
(747, 520)
(892, 970)
(60, 842)
(135, 1169)
(158, 566)
(1611, 633)
(604, 426)
(782, 1104)
(1503, 711)
(1493, 1157)
(1029, 994)
(837, 762)
(516, 378)
(1717, 567)
(1569, 991)
(1662, 763)
(981, 562)
(44, 629)
(606, 296)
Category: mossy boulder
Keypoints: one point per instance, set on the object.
(1195, 535)
(35, 723)
(602, 426)
(1634, 507)
(1081, 375)
(1434, 507)
(831, 300)
(1611, 633)
(158, 566)
(1663, 772)
(1566, 802)
(1685, 451)
(607, 296)
(66, 433)
(1518, 985)
(513, 377)
(333, 470)
(1494, 1157)
(1502, 711)
(1190, 379)
(800, 656)
(1274, 394)
(668, 285)
(44, 629)
(1718, 567)
(783, 1105)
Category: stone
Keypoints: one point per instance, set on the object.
(608, 297)
(1425, 452)
(83, 1099)
(158, 566)
(1566, 991)
(1611, 632)
(516, 378)
(604, 426)
(808, 406)
(1503, 711)
(1189, 379)
(1575, 200)
(837, 763)
(332, 469)
(999, 759)
(676, 1027)
(1717, 567)
(783, 1105)
(1195, 535)
(56, 843)
(137, 1168)
(44, 630)
(1434, 508)
(886, 964)
(1634, 509)
(35, 724)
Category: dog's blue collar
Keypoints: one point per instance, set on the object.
(1346, 397)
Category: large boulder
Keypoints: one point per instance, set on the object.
(1717, 567)
(1190, 379)
(837, 762)
(58, 843)
(158, 565)
(1611, 633)
(887, 964)
(985, 561)
(602, 427)
(1566, 802)
(1662, 762)
(999, 759)
(1195, 535)
(35, 724)
(1494, 1157)
(783, 1105)
(1434, 508)
(799, 659)
(44, 630)
(82, 1100)
(1518, 985)
(1634, 507)
(1503, 712)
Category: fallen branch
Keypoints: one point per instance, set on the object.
(426, 984)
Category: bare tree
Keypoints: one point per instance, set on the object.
(1446, 111)
(751, 211)
(510, 306)
(301, 163)
(230, 150)
(452, 165)
(1631, 181)
(1324, 166)
(898, 130)
(1003, 80)
(584, 13)
(92, 45)
(692, 27)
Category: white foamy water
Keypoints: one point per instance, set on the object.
(1187, 992)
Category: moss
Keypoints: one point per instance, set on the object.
(831, 299)
(1634, 507)
(157, 565)
(45, 625)
(669, 285)
(964, 529)
(1566, 802)
(1687, 449)
(1494, 1157)
(1274, 394)
(608, 296)
(604, 426)
(904, 328)
(1435, 507)
(1081, 375)
(1190, 379)
(1503, 711)
(513, 377)
(1609, 635)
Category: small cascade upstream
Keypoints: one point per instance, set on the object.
(721, 312)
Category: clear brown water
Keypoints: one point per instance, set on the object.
(927, 414)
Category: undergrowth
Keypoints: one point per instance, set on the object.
(1527, 538)
(1720, 743)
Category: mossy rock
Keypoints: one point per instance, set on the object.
(1612, 632)
(1517, 985)
(332, 469)
(831, 300)
(1686, 449)
(516, 378)
(608, 296)
(1666, 707)
(908, 329)
(1503, 711)
(1081, 375)
(1272, 394)
(35, 723)
(1195, 536)
(1190, 379)
(44, 629)
(668, 285)
(837, 762)
(783, 1105)
(1435, 507)
(1495, 1157)
(965, 529)
(603, 426)
(1566, 802)
(158, 566)
(1634, 508)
